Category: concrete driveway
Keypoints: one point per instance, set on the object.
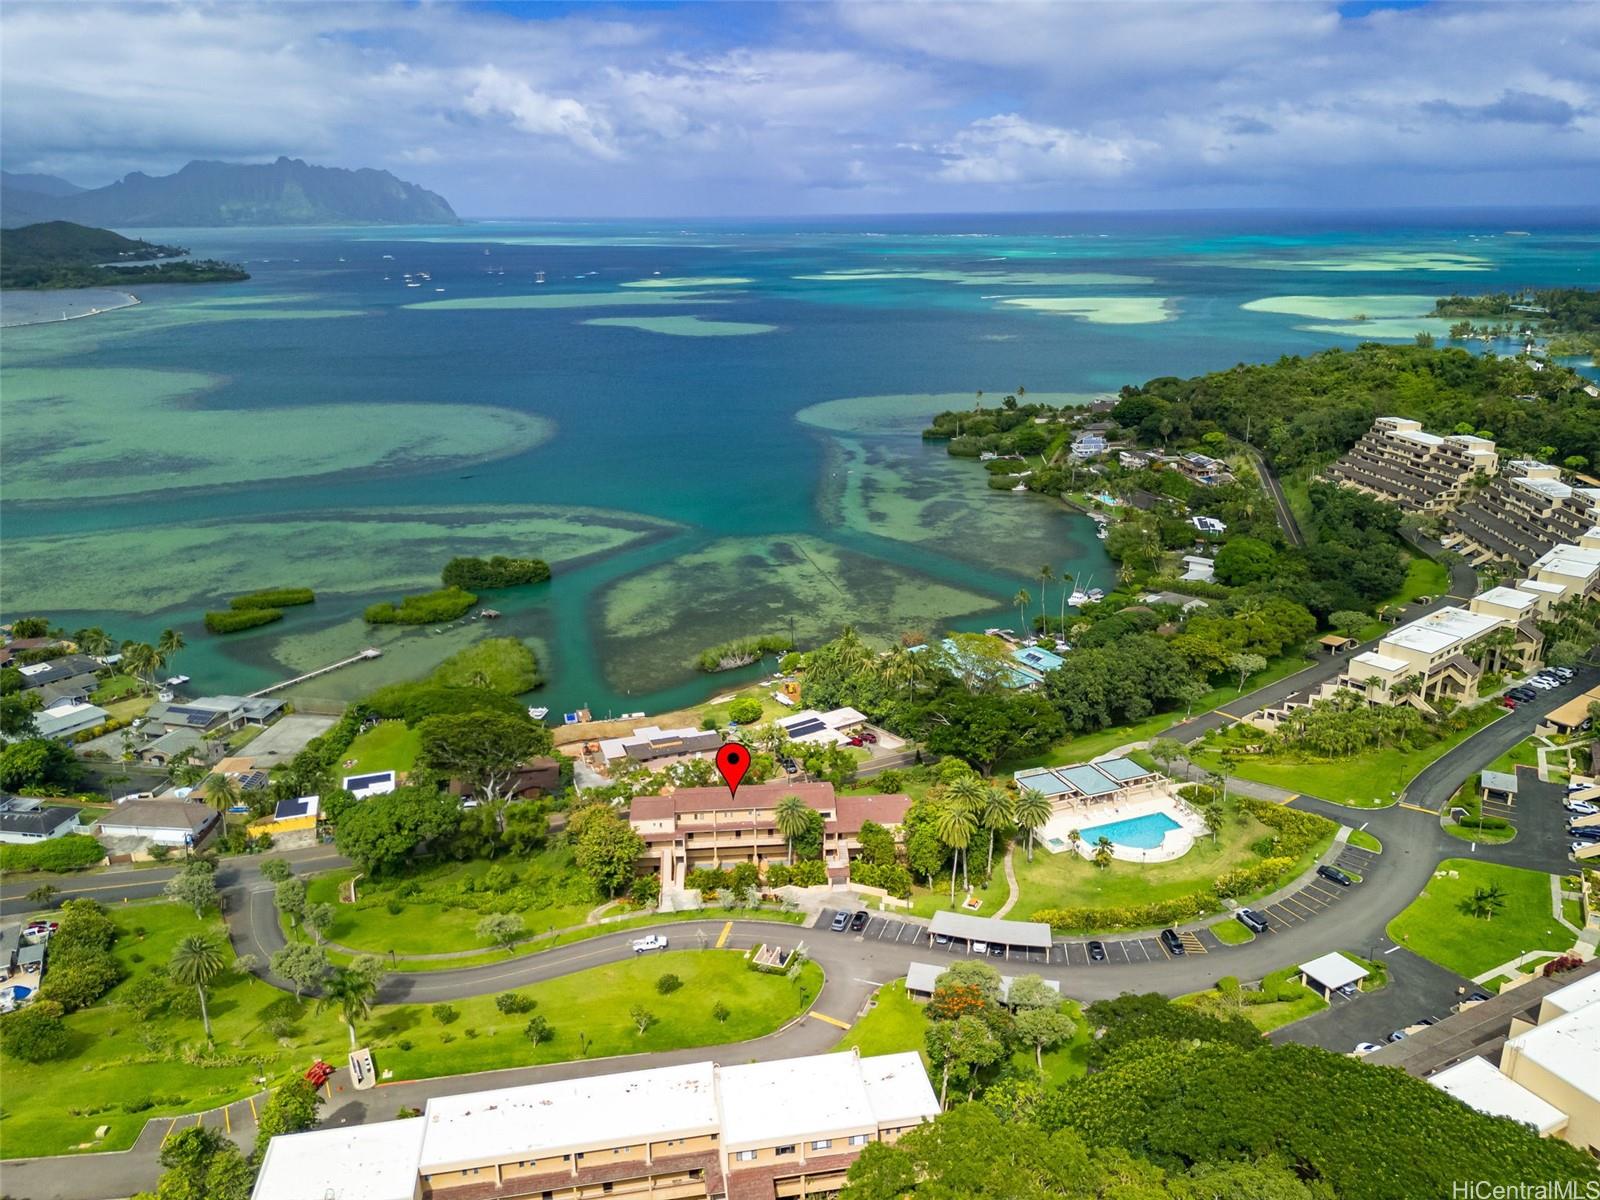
(281, 741)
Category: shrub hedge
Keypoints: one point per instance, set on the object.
(71, 852)
(426, 608)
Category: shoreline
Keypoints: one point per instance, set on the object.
(129, 300)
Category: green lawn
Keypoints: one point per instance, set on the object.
(1523, 754)
(1232, 933)
(1362, 840)
(1372, 779)
(387, 746)
(449, 900)
(114, 687)
(159, 1066)
(1068, 880)
(897, 1023)
(1436, 926)
(927, 901)
(1274, 1014)
(1424, 577)
(1090, 745)
(1572, 910)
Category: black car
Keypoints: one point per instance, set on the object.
(1334, 875)
(841, 922)
(1523, 694)
(1252, 920)
(1173, 943)
(1584, 833)
(859, 921)
(996, 950)
(1097, 952)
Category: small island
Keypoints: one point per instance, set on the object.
(53, 255)
(1569, 317)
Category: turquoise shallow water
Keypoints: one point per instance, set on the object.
(362, 401)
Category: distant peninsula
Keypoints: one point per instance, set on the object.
(60, 254)
(210, 194)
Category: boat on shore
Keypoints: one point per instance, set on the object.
(538, 714)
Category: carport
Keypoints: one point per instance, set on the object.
(1013, 935)
(1330, 973)
(1499, 785)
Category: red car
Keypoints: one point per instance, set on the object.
(868, 736)
(319, 1073)
(855, 741)
(1508, 702)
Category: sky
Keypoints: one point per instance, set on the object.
(666, 109)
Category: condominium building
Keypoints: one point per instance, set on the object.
(1525, 512)
(1396, 460)
(783, 1130)
(1573, 569)
(706, 827)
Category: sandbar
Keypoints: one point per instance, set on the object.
(1100, 310)
(560, 300)
(684, 326)
(689, 281)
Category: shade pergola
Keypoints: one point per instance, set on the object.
(1031, 935)
(1332, 972)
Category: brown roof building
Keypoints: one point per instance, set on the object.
(705, 827)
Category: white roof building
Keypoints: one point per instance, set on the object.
(1478, 1084)
(348, 1162)
(1442, 631)
(1333, 971)
(69, 718)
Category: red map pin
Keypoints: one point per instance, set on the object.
(733, 760)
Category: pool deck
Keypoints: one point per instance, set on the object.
(1174, 845)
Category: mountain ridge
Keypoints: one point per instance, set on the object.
(208, 194)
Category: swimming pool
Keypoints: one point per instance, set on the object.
(1141, 833)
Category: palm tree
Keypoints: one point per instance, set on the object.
(955, 826)
(92, 641)
(1067, 580)
(196, 962)
(1074, 839)
(168, 645)
(141, 660)
(1486, 901)
(792, 816)
(1022, 600)
(1045, 576)
(352, 993)
(998, 810)
(1102, 852)
(222, 792)
(1033, 811)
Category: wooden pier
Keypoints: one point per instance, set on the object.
(369, 652)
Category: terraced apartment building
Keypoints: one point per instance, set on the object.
(1524, 512)
(1398, 461)
(782, 1130)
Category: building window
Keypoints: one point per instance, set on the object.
(605, 1188)
(746, 1156)
(823, 1144)
(783, 1149)
(858, 1139)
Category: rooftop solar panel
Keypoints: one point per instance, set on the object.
(802, 728)
(361, 781)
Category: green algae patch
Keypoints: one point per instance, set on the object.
(910, 412)
(1100, 310)
(559, 300)
(690, 281)
(686, 326)
(653, 623)
(335, 553)
(135, 431)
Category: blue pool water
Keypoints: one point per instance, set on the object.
(1141, 833)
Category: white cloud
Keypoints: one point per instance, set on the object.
(1011, 149)
(495, 93)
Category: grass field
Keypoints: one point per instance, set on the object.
(1436, 926)
(1068, 880)
(1424, 577)
(450, 899)
(1274, 1014)
(898, 1023)
(1232, 933)
(1362, 840)
(1369, 780)
(1523, 754)
(387, 746)
(119, 1062)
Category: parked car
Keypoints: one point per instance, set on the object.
(941, 939)
(1173, 943)
(868, 736)
(997, 950)
(644, 945)
(1428, 1021)
(841, 922)
(1523, 694)
(1366, 1047)
(1509, 701)
(1097, 952)
(859, 921)
(1565, 672)
(1399, 1035)
(1334, 875)
(1577, 848)
(1252, 920)
(1544, 685)
(980, 947)
(1582, 808)
(1350, 989)
(1584, 833)
(856, 741)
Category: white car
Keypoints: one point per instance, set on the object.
(646, 944)
(1366, 1047)
(1544, 685)
(1563, 672)
(1582, 808)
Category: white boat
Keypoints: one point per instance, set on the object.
(1101, 533)
(1096, 594)
(1077, 598)
(538, 276)
(177, 681)
(388, 256)
(413, 285)
(538, 714)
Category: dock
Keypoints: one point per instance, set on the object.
(369, 652)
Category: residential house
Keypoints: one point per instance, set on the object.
(216, 714)
(68, 719)
(292, 825)
(373, 783)
(162, 751)
(788, 1128)
(163, 822)
(1397, 461)
(706, 827)
(657, 746)
(534, 778)
(1197, 568)
(26, 820)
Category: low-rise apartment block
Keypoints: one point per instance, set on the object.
(783, 1130)
(1398, 461)
(1521, 515)
(706, 827)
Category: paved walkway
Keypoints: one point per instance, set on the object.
(1011, 883)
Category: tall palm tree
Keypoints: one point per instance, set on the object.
(791, 815)
(1022, 600)
(955, 826)
(196, 962)
(1045, 576)
(1067, 580)
(351, 992)
(168, 645)
(141, 660)
(998, 810)
(93, 641)
(1033, 811)
(222, 792)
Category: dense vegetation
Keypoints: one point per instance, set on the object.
(503, 665)
(232, 620)
(496, 572)
(1182, 1103)
(426, 608)
(287, 597)
(741, 652)
(70, 852)
(60, 254)
(1561, 311)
